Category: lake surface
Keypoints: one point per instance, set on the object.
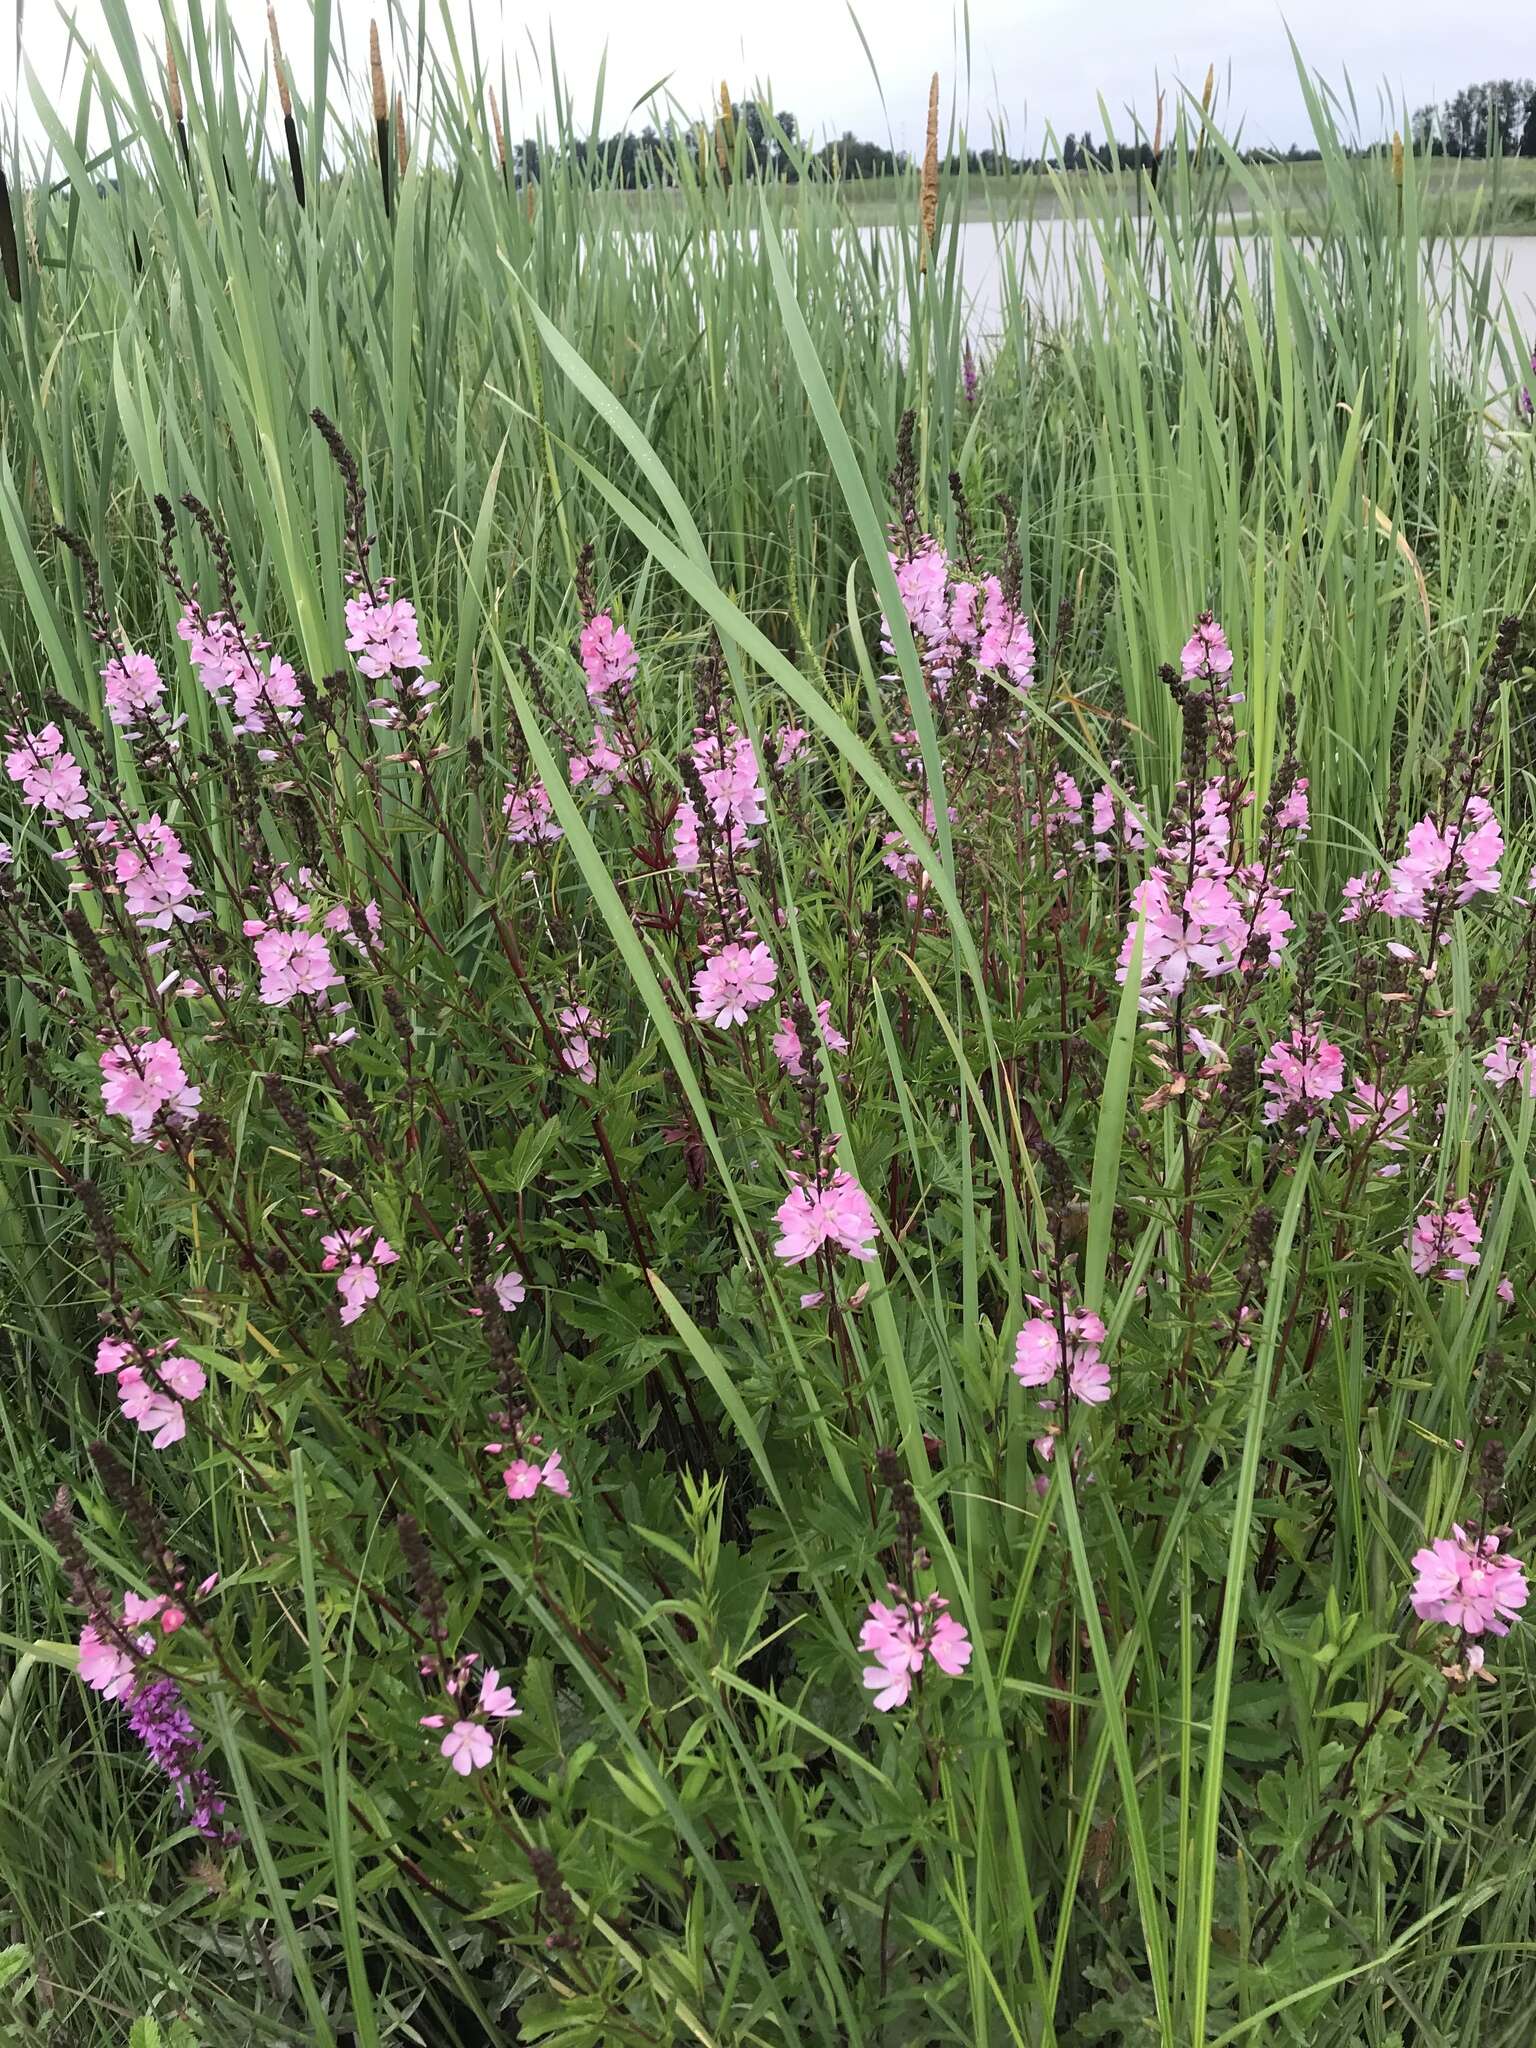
(1049, 270)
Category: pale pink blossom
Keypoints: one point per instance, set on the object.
(1205, 654)
(1507, 1063)
(132, 686)
(356, 1268)
(468, 1747)
(609, 658)
(836, 1214)
(1049, 1346)
(530, 815)
(786, 1040)
(1466, 1581)
(523, 1478)
(509, 1290)
(1445, 1244)
(1301, 1073)
(902, 1638)
(142, 1081)
(734, 982)
(294, 964)
(49, 775)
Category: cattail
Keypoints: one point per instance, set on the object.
(703, 142)
(530, 197)
(1157, 131)
(499, 133)
(10, 257)
(1207, 94)
(929, 203)
(285, 101)
(380, 108)
(1397, 158)
(178, 111)
(400, 151)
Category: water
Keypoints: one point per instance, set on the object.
(1054, 248)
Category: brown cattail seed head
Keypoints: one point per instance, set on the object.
(376, 72)
(400, 151)
(172, 81)
(498, 131)
(283, 98)
(929, 203)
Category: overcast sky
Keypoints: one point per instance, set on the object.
(1034, 61)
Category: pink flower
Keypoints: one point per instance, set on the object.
(1448, 866)
(132, 687)
(1502, 1066)
(1206, 654)
(496, 1700)
(1045, 1348)
(1301, 1072)
(685, 837)
(48, 775)
(1006, 646)
(530, 815)
(1445, 1244)
(837, 1214)
(1463, 1580)
(608, 656)
(162, 1418)
(357, 1280)
(734, 982)
(1292, 814)
(523, 1478)
(105, 1666)
(294, 964)
(156, 876)
(144, 1081)
(727, 767)
(902, 1638)
(786, 1040)
(509, 1290)
(468, 1747)
(383, 636)
(581, 1032)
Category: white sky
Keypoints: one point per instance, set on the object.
(1032, 60)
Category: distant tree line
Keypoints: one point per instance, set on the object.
(1495, 117)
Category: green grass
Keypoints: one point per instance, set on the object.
(1203, 1781)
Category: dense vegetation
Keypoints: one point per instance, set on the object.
(766, 1227)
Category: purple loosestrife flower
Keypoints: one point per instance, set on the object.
(970, 376)
(114, 1658)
